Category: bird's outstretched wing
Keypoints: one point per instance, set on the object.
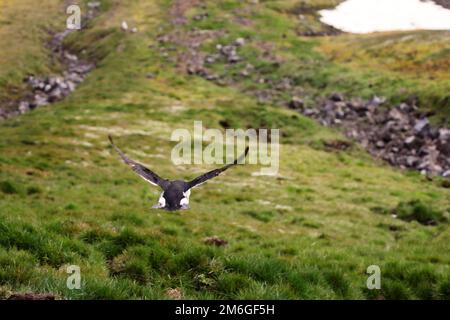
(141, 170)
(214, 173)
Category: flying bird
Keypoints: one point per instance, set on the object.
(175, 194)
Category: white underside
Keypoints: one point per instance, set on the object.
(185, 201)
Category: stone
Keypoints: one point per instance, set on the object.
(378, 100)
(239, 41)
(444, 134)
(124, 26)
(47, 88)
(40, 100)
(421, 125)
(210, 59)
(296, 103)
(396, 115)
(310, 112)
(410, 140)
(24, 106)
(337, 97)
(55, 95)
(412, 161)
(234, 59)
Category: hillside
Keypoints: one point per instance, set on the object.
(308, 233)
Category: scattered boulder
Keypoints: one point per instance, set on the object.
(399, 135)
(296, 103)
(239, 42)
(337, 97)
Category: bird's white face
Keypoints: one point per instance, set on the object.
(184, 203)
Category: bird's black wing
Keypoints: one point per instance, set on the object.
(141, 170)
(214, 173)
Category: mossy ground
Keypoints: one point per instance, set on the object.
(309, 233)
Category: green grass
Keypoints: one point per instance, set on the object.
(31, 25)
(418, 211)
(396, 64)
(309, 233)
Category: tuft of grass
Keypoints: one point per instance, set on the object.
(417, 210)
(8, 187)
(264, 216)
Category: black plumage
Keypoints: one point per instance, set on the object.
(175, 195)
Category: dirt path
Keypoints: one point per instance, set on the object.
(47, 89)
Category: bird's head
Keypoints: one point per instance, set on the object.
(173, 198)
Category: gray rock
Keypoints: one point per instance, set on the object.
(310, 112)
(396, 115)
(378, 100)
(296, 103)
(421, 125)
(337, 97)
(234, 58)
(24, 106)
(410, 140)
(239, 41)
(412, 161)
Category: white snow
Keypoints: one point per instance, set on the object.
(365, 16)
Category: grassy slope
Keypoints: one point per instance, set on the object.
(310, 233)
(22, 25)
(398, 64)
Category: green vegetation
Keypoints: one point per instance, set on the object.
(309, 233)
(398, 64)
(419, 211)
(23, 31)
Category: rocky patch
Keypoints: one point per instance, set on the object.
(44, 90)
(401, 135)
